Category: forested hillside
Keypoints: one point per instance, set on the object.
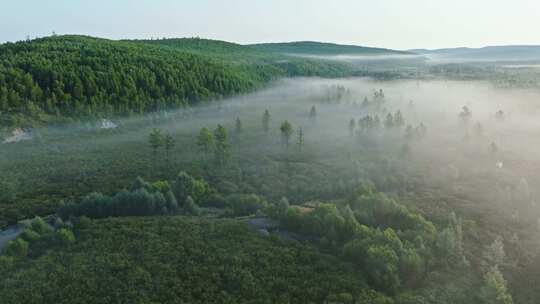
(321, 48)
(65, 77)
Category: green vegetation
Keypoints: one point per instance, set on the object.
(209, 203)
(320, 48)
(172, 260)
(61, 78)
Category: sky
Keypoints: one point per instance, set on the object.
(397, 24)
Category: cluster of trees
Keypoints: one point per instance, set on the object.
(373, 122)
(183, 260)
(185, 195)
(38, 237)
(157, 140)
(415, 132)
(83, 76)
(337, 93)
(75, 76)
(394, 247)
(216, 142)
(376, 101)
(142, 199)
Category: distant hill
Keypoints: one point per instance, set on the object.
(322, 49)
(214, 48)
(53, 78)
(489, 53)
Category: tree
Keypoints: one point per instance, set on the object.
(465, 115)
(399, 121)
(300, 141)
(495, 290)
(313, 113)
(185, 185)
(238, 126)
(221, 144)
(156, 141)
(409, 132)
(65, 236)
(205, 140)
(190, 207)
(168, 143)
(495, 254)
(266, 121)
(352, 126)
(17, 248)
(389, 121)
(382, 267)
(286, 131)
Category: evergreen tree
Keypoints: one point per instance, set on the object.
(238, 129)
(286, 131)
(266, 121)
(352, 126)
(205, 140)
(300, 141)
(313, 113)
(399, 121)
(389, 121)
(168, 143)
(221, 144)
(238, 126)
(190, 207)
(156, 141)
(495, 290)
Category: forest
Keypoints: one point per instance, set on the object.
(58, 79)
(201, 171)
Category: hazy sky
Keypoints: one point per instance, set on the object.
(400, 24)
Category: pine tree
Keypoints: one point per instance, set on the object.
(313, 113)
(221, 144)
(238, 128)
(300, 141)
(352, 126)
(168, 143)
(156, 141)
(266, 121)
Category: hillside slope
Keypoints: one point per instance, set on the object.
(489, 53)
(65, 77)
(321, 48)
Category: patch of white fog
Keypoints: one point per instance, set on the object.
(18, 135)
(108, 124)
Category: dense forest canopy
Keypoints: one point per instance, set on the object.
(64, 77)
(320, 48)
